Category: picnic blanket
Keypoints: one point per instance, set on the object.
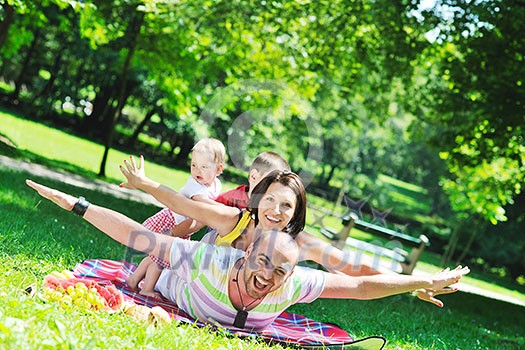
(287, 329)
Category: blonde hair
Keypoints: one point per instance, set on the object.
(268, 161)
(213, 147)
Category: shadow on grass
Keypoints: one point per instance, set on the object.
(12, 152)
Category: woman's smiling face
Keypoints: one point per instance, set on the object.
(276, 207)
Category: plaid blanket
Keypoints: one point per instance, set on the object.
(287, 329)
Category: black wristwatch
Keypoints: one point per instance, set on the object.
(80, 207)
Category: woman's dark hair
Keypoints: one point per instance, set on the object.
(288, 179)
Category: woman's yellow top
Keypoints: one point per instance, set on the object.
(236, 232)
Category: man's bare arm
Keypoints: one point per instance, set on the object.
(379, 286)
(117, 226)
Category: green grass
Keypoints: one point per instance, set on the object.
(36, 237)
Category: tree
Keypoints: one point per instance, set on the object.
(473, 96)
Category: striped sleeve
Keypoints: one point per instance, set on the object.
(185, 255)
(310, 284)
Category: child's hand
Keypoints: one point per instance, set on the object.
(134, 174)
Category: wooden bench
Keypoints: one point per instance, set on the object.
(395, 249)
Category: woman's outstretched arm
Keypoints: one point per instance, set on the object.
(220, 217)
(117, 226)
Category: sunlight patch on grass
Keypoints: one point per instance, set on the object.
(410, 201)
(401, 184)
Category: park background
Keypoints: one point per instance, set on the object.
(414, 108)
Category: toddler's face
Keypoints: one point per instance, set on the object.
(203, 168)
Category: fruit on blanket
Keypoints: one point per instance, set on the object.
(155, 315)
(65, 274)
(68, 274)
(59, 275)
(83, 293)
(159, 315)
(138, 312)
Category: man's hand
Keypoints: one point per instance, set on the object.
(135, 175)
(429, 295)
(441, 281)
(447, 277)
(65, 201)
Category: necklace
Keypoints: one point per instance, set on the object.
(242, 315)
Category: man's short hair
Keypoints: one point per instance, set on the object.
(280, 238)
(285, 237)
(267, 161)
(213, 147)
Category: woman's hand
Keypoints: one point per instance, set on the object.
(65, 201)
(135, 175)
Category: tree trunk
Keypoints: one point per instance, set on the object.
(101, 107)
(25, 65)
(174, 142)
(46, 92)
(322, 175)
(330, 174)
(135, 31)
(342, 191)
(452, 243)
(133, 138)
(472, 238)
(185, 148)
(9, 17)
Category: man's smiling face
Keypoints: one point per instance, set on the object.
(269, 263)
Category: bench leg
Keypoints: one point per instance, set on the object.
(412, 259)
(344, 233)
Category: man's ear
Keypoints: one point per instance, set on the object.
(248, 251)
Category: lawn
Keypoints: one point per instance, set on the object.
(37, 238)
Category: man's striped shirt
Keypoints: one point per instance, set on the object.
(198, 283)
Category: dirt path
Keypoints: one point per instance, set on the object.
(142, 197)
(79, 181)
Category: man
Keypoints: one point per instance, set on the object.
(246, 290)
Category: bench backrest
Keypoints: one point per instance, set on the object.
(384, 232)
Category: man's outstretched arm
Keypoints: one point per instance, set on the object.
(117, 226)
(379, 286)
